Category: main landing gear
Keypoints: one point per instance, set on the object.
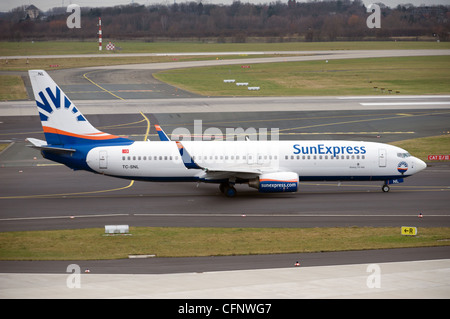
(228, 189)
(385, 188)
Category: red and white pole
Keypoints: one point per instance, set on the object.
(99, 34)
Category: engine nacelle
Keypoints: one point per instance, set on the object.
(275, 182)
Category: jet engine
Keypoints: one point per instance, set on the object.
(275, 182)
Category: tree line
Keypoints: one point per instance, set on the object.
(330, 20)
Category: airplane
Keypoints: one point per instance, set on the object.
(269, 166)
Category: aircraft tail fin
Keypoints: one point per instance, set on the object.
(62, 122)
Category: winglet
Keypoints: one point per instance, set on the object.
(162, 135)
(188, 161)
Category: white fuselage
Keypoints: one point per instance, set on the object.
(311, 160)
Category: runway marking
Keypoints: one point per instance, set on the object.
(115, 126)
(394, 188)
(395, 97)
(345, 133)
(148, 126)
(121, 125)
(107, 91)
(366, 120)
(341, 123)
(404, 103)
(68, 194)
(134, 91)
(244, 214)
(287, 119)
(399, 188)
(63, 217)
(51, 164)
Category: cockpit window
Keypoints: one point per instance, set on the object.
(403, 155)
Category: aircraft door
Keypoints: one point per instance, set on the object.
(103, 160)
(382, 157)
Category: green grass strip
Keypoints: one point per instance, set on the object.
(422, 147)
(12, 88)
(374, 76)
(30, 48)
(92, 243)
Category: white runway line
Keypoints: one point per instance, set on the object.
(404, 103)
(362, 97)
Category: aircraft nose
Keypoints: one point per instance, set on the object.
(420, 165)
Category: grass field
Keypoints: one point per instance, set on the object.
(28, 48)
(85, 244)
(422, 147)
(12, 88)
(406, 75)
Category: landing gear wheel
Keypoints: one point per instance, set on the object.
(385, 188)
(222, 187)
(230, 191)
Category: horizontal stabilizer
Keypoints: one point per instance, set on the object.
(42, 145)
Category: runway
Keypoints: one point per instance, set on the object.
(39, 195)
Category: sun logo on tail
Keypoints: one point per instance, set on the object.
(46, 109)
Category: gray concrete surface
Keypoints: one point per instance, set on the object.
(418, 279)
